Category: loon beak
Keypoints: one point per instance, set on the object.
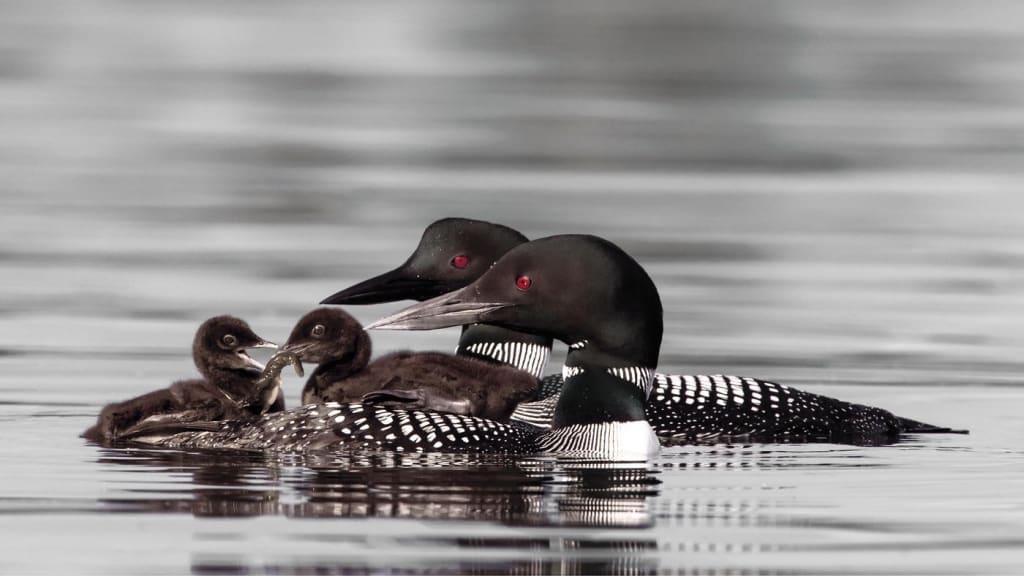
(249, 361)
(398, 284)
(454, 309)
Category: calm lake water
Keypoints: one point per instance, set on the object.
(828, 194)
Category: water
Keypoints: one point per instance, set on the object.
(828, 195)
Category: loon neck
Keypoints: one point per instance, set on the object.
(354, 360)
(528, 352)
(600, 388)
(236, 384)
(327, 374)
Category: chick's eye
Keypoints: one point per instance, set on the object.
(460, 261)
(319, 330)
(229, 340)
(524, 283)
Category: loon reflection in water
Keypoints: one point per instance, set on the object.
(464, 487)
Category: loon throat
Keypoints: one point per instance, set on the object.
(531, 358)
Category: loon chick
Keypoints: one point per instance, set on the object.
(337, 342)
(535, 287)
(230, 387)
(452, 253)
(684, 407)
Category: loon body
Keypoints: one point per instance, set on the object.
(453, 252)
(337, 342)
(600, 411)
(231, 387)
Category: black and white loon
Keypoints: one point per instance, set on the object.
(453, 252)
(231, 387)
(614, 328)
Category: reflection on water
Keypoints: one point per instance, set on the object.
(539, 492)
(542, 493)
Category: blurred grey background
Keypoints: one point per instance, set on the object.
(814, 185)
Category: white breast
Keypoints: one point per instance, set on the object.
(605, 441)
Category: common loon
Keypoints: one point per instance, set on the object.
(231, 387)
(337, 342)
(454, 252)
(534, 287)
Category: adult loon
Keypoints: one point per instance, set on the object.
(231, 387)
(614, 328)
(453, 252)
(336, 341)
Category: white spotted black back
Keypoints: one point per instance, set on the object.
(716, 407)
(333, 426)
(720, 407)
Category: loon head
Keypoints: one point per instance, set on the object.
(452, 253)
(329, 335)
(221, 343)
(574, 288)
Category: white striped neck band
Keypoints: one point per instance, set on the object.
(642, 378)
(529, 357)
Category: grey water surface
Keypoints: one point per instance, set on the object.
(828, 194)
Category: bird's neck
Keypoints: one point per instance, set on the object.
(601, 388)
(329, 373)
(353, 361)
(528, 352)
(237, 384)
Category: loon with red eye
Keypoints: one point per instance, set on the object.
(524, 283)
(676, 406)
(460, 261)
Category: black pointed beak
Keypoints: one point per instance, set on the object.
(454, 309)
(398, 284)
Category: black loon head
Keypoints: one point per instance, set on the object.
(220, 344)
(575, 288)
(452, 253)
(329, 336)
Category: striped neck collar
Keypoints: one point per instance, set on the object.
(532, 358)
(639, 376)
(526, 352)
(599, 389)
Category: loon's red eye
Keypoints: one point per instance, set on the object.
(524, 282)
(460, 261)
